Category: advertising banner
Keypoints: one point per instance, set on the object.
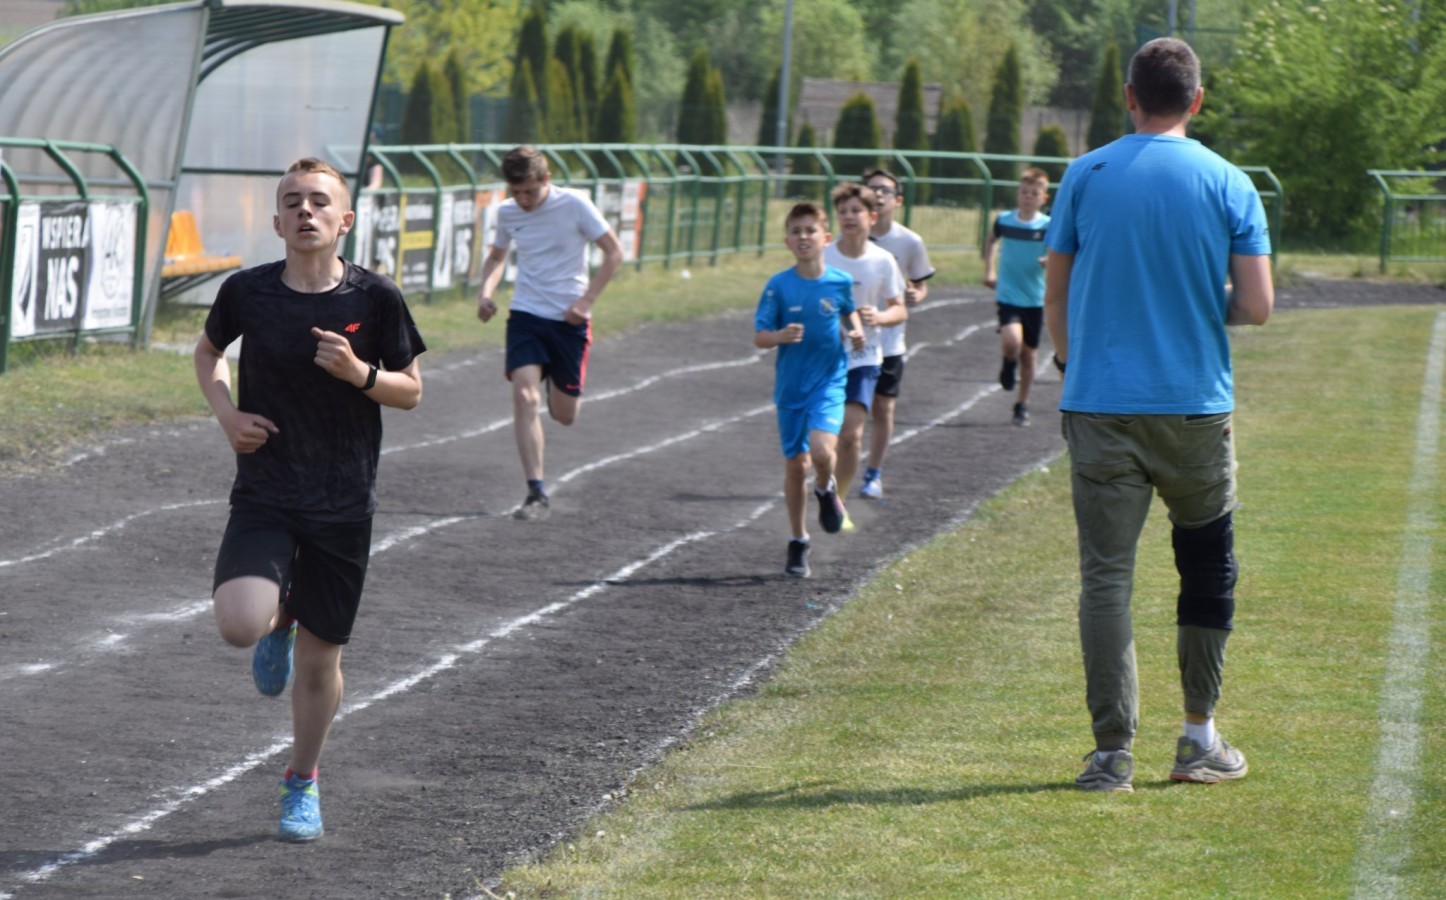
(112, 264)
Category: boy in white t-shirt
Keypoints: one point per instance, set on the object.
(908, 248)
(879, 295)
(549, 325)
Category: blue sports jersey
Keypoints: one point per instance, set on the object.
(1021, 245)
(1151, 221)
(810, 370)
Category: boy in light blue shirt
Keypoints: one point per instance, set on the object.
(1019, 285)
(806, 311)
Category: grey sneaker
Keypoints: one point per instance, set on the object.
(1108, 770)
(1021, 414)
(1220, 763)
(797, 559)
(533, 509)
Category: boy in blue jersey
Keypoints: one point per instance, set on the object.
(1145, 232)
(1019, 285)
(806, 312)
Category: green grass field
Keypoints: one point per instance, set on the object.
(923, 741)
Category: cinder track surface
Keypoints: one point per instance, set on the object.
(503, 676)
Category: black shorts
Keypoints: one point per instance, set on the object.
(1030, 317)
(891, 375)
(324, 564)
(559, 347)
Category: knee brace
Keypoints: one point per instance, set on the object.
(1205, 559)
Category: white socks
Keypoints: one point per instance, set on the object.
(1204, 735)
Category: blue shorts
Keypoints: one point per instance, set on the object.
(860, 386)
(558, 346)
(795, 425)
(323, 563)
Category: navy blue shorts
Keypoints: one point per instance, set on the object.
(558, 346)
(323, 563)
(891, 375)
(1031, 318)
(860, 386)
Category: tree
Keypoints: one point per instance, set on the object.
(1006, 110)
(955, 134)
(617, 120)
(1320, 96)
(560, 120)
(420, 120)
(717, 109)
(1051, 141)
(587, 74)
(524, 113)
(1107, 112)
(768, 124)
(857, 129)
(456, 77)
(620, 54)
(693, 115)
(806, 167)
(910, 132)
(532, 53)
(567, 50)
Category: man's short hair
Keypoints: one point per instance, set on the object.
(523, 163)
(310, 164)
(882, 173)
(804, 209)
(853, 190)
(1034, 178)
(1165, 76)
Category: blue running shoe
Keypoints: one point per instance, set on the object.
(271, 663)
(300, 809)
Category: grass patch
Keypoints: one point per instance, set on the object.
(923, 741)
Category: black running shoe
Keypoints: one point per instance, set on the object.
(1021, 414)
(1006, 374)
(830, 509)
(797, 559)
(533, 509)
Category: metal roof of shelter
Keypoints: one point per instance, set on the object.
(210, 100)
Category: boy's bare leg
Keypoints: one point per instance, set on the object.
(246, 609)
(1028, 361)
(795, 493)
(561, 406)
(823, 448)
(1011, 338)
(316, 691)
(883, 433)
(526, 419)
(850, 445)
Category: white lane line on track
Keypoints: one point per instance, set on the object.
(1385, 850)
(103, 531)
(446, 661)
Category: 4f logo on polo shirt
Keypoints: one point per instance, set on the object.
(826, 307)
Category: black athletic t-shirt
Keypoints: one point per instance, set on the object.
(323, 460)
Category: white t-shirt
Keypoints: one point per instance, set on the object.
(876, 278)
(908, 248)
(552, 248)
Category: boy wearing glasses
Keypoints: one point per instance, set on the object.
(913, 258)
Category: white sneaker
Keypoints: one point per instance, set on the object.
(872, 488)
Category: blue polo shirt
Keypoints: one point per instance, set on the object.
(810, 370)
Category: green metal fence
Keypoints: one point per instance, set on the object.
(72, 251)
(1413, 216)
(673, 203)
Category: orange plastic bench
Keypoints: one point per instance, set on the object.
(187, 263)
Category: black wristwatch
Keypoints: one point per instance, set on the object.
(371, 378)
(1057, 364)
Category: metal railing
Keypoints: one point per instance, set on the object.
(673, 203)
(72, 257)
(1413, 216)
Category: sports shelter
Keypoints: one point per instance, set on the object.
(210, 100)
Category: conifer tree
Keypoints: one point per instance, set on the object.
(567, 51)
(768, 125)
(532, 54)
(591, 90)
(620, 53)
(1006, 110)
(561, 116)
(524, 115)
(1107, 112)
(857, 129)
(910, 132)
(955, 134)
(717, 107)
(1051, 141)
(417, 115)
(461, 98)
(693, 112)
(617, 120)
(806, 166)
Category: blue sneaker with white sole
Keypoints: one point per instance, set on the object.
(271, 662)
(300, 809)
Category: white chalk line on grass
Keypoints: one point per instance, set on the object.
(450, 659)
(1385, 851)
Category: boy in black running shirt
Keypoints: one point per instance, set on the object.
(327, 344)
